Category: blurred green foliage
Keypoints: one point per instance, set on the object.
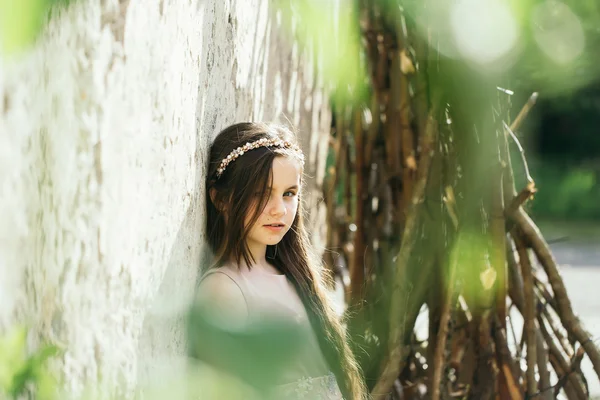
(225, 363)
(572, 193)
(256, 354)
(21, 21)
(474, 273)
(332, 33)
(22, 373)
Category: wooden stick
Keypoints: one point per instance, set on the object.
(440, 347)
(543, 254)
(514, 274)
(522, 197)
(524, 111)
(485, 380)
(529, 313)
(506, 365)
(568, 388)
(460, 338)
(548, 301)
(394, 142)
(332, 182)
(401, 101)
(562, 339)
(373, 131)
(561, 367)
(434, 308)
(522, 152)
(393, 134)
(394, 362)
(565, 310)
(357, 273)
(347, 173)
(574, 367)
(542, 363)
(498, 236)
(544, 292)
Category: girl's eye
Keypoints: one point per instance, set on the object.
(289, 194)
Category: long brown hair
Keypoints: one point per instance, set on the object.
(233, 195)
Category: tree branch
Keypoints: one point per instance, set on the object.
(565, 310)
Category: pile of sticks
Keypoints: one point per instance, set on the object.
(424, 216)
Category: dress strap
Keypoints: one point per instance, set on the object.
(232, 277)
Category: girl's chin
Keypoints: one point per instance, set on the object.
(272, 242)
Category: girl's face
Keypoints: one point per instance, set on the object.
(279, 213)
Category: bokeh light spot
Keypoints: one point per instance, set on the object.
(557, 31)
(484, 31)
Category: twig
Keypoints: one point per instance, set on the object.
(544, 292)
(357, 271)
(514, 336)
(486, 370)
(559, 363)
(394, 362)
(524, 111)
(506, 365)
(522, 197)
(498, 237)
(542, 251)
(542, 363)
(514, 273)
(562, 339)
(399, 390)
(347, 179)
(401, 100)
(522, 151)
(574, 367)
(565, 310)
(373, 131)
(440, 347)
(516, 294)
(460, 336)
(549, 301)
(529, 313)
(334, 176)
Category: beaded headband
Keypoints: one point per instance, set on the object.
(264, 142)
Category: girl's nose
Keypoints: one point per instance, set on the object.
(278, 207)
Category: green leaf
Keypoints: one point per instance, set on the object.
(12, 357)
(20, 23)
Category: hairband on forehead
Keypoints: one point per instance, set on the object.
(264, 142)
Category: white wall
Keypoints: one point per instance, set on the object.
(104, 130)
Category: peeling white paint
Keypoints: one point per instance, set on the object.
(104, 129)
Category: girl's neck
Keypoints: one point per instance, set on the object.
(258, 252)
(260, 268)
(260, 263)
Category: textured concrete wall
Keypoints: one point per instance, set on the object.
(104, 130)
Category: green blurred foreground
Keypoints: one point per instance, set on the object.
(224, 363)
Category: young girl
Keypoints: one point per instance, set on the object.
(262, 268)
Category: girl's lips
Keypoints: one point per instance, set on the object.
(274, 228)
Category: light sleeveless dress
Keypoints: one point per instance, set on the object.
(308, 377)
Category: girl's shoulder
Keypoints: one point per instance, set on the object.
(229, 270)
(221, 293)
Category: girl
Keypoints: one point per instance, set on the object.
(262, 267)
